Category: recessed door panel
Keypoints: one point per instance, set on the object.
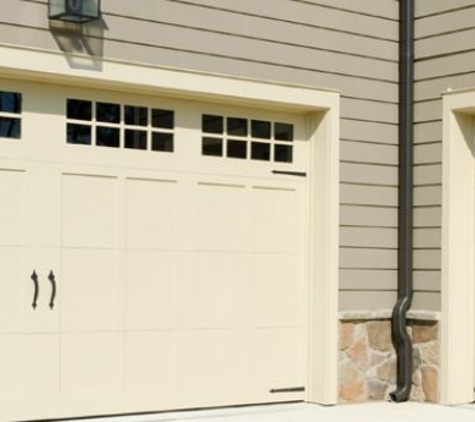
(12, 211)
(275, 290)
(91, 362)
(89, 289)
(15, 285)
(150, 290)
(89, 211)
(150, 214)
(11, 365)
(151, 360)
(277, 219)
(220, 216)
(221, 299)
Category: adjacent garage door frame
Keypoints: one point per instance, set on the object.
(322, 108)
(458, 248)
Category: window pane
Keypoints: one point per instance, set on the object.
(136, 116)
(283, 132)
(10, 102)
(162, 142)
(10, 128)
(79, 109)
(78, 134)
(107, 112)
(260, 129)
(237, 126)
(260, 151)
(212, 124)
(164, 119)
(108, 137)
(212, 146)
(136, 139)
(237, 149)
(283, 153)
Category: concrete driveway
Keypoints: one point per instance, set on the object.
(304, 412)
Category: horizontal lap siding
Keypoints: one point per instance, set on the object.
(338, 44)
(445, 59)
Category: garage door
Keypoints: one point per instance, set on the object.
(154, 254)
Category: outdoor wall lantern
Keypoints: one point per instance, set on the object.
(77, 11)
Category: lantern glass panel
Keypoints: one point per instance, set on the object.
(74, 10)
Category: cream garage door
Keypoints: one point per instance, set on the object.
(165, 246)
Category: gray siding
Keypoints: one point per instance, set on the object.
(340, 44)
(445, 53)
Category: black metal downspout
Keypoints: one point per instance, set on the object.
(401, 340)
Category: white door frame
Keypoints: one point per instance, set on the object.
(458, 248)
(322, 107)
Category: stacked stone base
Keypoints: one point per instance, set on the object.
(367, 360)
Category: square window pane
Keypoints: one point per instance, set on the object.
(283, 132)
(212, 146)
(107, 112)
(136, 116)
(237, 149)
(78, 134)
(260, 151)
(164, 119)
(162, 142)
(10, 102)
(107, 137)
(10, 128)
(283, 153)
(212, 124)
(79, 109)
(237, 126)
(260, 129)
(135, 139)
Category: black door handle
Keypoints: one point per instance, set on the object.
(34, 277)
(52, 279)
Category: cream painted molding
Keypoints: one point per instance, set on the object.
(323, 110)
(113, 74)
(458, 248)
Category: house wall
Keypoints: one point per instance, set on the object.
(444, 52)
(339, 44)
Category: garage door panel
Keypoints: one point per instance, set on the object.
(28, 364)
(89, 211)
(150, 213)
(277, 355)
(13, 283)
(219, 356)
(276, 290)
(11, 365)
(150, 289)
(277, 219)
(89, 290)
(40, 363)
(150, 360)
(220, 216)
(221, 296)
(91, 362)
(12, 211)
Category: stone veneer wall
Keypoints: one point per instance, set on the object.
(367, 360)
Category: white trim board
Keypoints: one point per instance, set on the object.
(458, 248)
(323, 110)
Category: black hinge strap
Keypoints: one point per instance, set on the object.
(290, 173)
(287, 390)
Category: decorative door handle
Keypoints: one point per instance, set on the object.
(34, 277)
(52, 279)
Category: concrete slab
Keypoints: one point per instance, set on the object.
(306, 412)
